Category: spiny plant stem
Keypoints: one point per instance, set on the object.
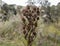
(31, 13)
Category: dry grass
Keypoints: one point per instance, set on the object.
(11, 33)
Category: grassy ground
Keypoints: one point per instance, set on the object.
(11, 34)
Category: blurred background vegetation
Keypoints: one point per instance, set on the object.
(48, 34)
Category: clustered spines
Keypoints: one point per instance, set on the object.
(32, 14)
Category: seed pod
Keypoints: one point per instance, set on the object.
(23, 20)
(38, 12)
(35, 24)
(37, 18)
(34, 33)
(33, 19)
(24, 27)
(37, 8)
(28, 7)
(34, 9)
